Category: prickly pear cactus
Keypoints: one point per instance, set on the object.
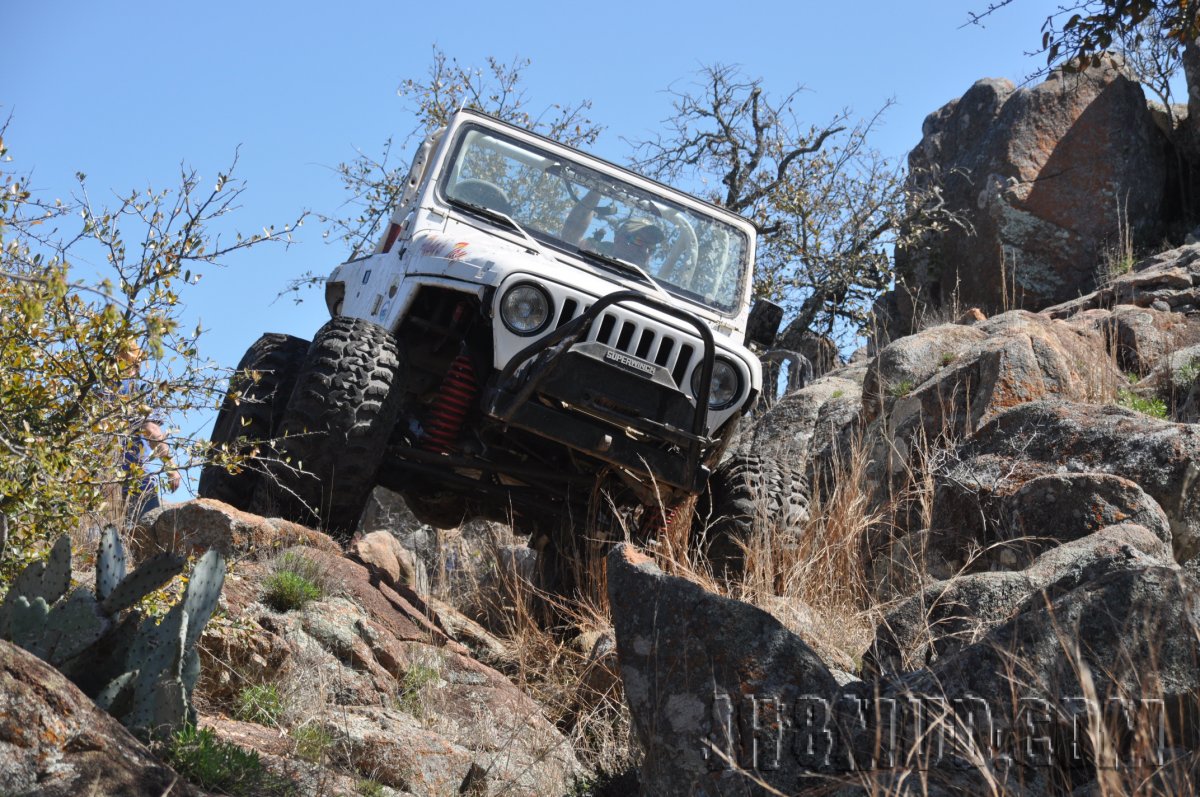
(141, 671)
(154, 694)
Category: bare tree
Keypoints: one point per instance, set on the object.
(829, 207)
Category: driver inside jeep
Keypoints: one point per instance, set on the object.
(636, 241)
(635, 238)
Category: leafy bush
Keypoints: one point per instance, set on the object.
(64, 418)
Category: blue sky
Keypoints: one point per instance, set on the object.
(127, 91)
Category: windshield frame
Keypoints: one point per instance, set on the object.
(672, 209)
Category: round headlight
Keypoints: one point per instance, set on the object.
(726, 384)
(525, 309)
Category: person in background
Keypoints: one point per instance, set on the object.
(147, 441)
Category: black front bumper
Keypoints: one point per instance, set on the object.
(607, 404)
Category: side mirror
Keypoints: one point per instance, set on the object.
(763, 325)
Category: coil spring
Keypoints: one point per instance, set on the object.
(455, 396)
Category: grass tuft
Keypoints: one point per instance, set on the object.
(295, 582)
(261, 704)
(312, 742)
(411, 697)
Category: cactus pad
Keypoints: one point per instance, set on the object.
(152, 574)
(203, 592)
(73, 625)
(28, 624)
(114, 697)
(110, 562)
(56, 577)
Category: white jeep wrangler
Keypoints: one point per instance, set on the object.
(535, 327)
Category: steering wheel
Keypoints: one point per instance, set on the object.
(481, 192)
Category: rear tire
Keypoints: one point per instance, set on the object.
(749, 497)
(250, 414)
(335, 431)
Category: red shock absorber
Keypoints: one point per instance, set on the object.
(662, 518)
(455, 396)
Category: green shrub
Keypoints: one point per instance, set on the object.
(901, 388)
(368, 787)
(1154, 407)
(64, 322)
(295, 582)
(1187, 374)
(204, 760)
(261, 704)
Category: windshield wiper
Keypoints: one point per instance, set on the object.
(495, 215)
(621, 265)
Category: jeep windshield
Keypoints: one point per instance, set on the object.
(601, 217)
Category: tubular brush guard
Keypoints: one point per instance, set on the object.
(597, 383)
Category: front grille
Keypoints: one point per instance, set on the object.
(638, 336)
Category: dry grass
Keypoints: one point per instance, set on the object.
(822, 567)
(811, 579)
(1118, 257)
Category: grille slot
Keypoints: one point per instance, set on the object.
(626, 336)
(643, 348)
(682, 362)
(568, 312)
(607, 323)
(664, 351)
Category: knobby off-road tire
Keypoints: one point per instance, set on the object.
(251, 412)
(335, 430)
(749, 497)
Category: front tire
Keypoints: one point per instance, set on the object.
(334, 433)
(749, 499)
(250, 414)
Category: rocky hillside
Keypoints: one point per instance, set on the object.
(992, 586)
(1029, 568)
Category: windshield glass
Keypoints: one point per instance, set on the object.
(573, 207)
